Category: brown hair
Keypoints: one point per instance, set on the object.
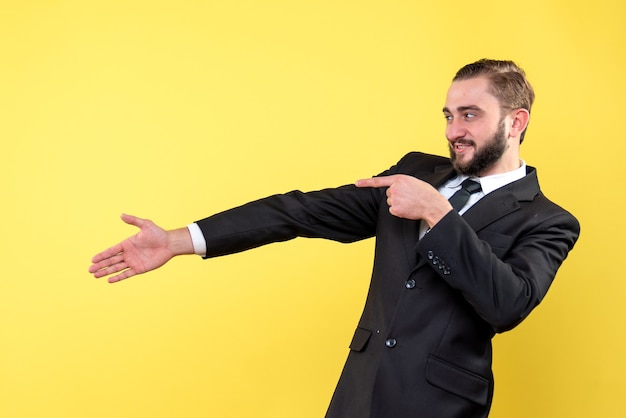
(507, 80)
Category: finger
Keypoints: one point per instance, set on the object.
(107, 262)
(122, 276)
(383, 181)
(108, 270)
(108, 253)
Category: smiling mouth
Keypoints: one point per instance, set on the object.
(460, 146)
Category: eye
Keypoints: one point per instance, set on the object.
(469, 115)
(447, 117)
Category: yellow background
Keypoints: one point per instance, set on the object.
(174, 110)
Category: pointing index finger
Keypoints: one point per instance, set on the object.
(382, 181)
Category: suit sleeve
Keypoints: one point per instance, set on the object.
(344, 214)
(503, 291)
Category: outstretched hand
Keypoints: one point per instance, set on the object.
(147, 250)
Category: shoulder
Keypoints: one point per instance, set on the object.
(422, 157)
(540, 203)
(531, 179)
(555, 211)
(414, 161)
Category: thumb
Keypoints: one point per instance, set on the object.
(133, 220)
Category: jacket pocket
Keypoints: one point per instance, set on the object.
(457, 380)
(360, 339)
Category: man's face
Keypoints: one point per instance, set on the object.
(477, 133)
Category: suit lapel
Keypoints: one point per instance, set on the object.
(502, 201)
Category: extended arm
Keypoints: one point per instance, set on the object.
(341, 214)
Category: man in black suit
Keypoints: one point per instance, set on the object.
(445, 279)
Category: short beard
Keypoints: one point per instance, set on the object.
(484, 157)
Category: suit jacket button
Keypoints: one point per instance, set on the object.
(430, 255)
(391, 342)
(410, 284)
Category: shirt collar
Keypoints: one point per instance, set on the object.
(490, 183)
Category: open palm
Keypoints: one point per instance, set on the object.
(144, 251)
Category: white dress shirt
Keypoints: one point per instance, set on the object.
(487, 185)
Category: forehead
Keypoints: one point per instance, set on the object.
(473, 92)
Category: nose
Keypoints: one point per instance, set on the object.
(455, 130)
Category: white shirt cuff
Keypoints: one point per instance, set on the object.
(197, 238)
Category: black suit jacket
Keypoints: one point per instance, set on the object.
(422, 347)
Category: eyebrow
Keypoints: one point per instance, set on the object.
(463, 109)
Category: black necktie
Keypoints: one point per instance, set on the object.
(460, 198)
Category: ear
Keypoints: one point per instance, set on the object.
(519, 121)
